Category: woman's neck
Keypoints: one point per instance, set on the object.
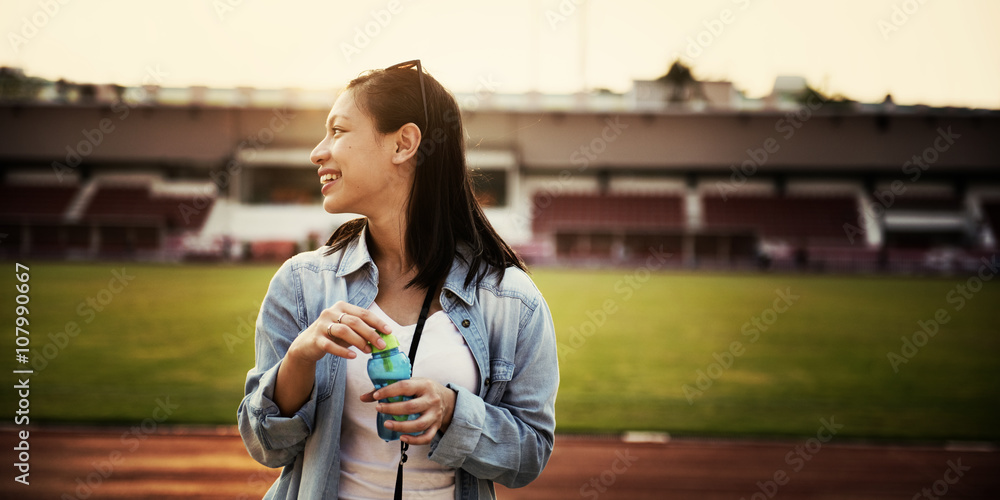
(388, 249)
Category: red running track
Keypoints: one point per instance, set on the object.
(182, 462)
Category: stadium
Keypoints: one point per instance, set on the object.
(766, 233)
(580, 185)
(719, 181)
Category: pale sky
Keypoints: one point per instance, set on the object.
(932, 52)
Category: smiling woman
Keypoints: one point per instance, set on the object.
(485, 380)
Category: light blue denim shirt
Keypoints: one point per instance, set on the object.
(502, 433)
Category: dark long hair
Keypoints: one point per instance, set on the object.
(443, 212)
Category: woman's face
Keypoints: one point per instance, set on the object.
(355, 162)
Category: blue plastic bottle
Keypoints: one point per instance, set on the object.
(385, 367)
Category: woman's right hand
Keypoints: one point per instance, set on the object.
(334, 332)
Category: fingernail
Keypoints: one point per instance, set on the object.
(386, 328)
(378, 407)
(375, 395)
(388, 424)
(380, 343)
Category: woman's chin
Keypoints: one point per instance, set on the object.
(331, 207)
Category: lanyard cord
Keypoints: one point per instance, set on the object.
(413, 354)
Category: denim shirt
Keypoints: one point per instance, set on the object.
(504, 432)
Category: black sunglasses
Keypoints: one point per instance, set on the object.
(420, 73)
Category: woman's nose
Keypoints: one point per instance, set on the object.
(319, 154)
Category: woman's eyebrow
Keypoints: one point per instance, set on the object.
(333, 118)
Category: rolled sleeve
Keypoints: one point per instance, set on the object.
(509, 442)
(276, 440)
(270, 438)
(459, 441)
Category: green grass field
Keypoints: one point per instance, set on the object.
(629, 344)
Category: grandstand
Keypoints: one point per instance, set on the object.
(582, 179)
(125, 216)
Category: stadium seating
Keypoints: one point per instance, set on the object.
(728, 232)
(800, 220)
(585, 212)
(30, 200)
(113, 221)
(590, 226)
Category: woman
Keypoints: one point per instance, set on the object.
(485, 374)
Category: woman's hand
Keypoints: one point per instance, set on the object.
(434, 402)
(334, 332)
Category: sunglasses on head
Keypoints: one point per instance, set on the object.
(420, 74)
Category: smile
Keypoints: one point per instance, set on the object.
(328, 178)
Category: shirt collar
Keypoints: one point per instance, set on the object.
(356, 256)
(455, 282)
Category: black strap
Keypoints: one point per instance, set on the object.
(413, 355)
(420, 324)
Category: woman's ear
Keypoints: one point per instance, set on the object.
(407, 141)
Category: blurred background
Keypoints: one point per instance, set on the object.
(183, 131)
(793, 206)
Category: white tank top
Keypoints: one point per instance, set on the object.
(367, 463)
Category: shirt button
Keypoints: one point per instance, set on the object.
(465, 323)
(487, 382)
(447, 293)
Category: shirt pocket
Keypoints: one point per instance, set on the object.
(501, 371)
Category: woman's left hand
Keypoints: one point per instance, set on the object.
(434, 402)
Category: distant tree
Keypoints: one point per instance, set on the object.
(63, 88)
(88, 92)
(682, 83)
(15, 86)
(811, 94)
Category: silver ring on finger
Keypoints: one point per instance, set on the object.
(329, 332)
(341, 317)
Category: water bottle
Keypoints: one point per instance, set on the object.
(385, 367)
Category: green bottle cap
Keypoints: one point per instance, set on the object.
(390, 342)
